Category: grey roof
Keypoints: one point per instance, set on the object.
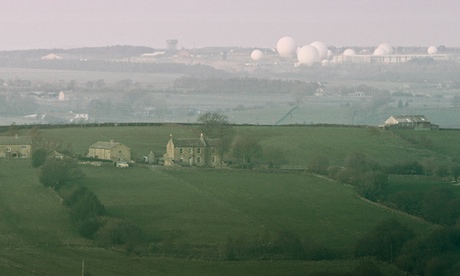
(15, 140)
(196, 142)
(189, 142)
(411, 119)
(105, 145)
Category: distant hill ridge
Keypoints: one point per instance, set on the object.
(107, 52)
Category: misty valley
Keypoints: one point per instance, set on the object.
(127, 160)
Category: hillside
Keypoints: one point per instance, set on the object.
(294, 144)
(189, 215)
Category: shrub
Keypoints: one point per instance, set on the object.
(88, 227)
(56, 172)
(117, 232)
(367, 267)
(384, 241)
(84, 205)
(39, 157)
(406, 168)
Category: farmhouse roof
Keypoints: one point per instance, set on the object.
(196, 142)
(15, 140)
(411, 119)
(105, 145)
(189, 142)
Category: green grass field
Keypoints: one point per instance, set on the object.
(297, 144)
(201, 208)
(205, 207)
(192, 206)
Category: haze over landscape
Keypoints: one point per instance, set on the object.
(28, 24)
(202, 137)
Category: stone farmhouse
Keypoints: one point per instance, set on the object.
(200, 152)
(15, 146)
(109, 151)
(415, 122)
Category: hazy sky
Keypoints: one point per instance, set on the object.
(31, 24)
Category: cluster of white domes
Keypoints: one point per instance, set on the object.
(383, 49)
(317, 51)
(308, 54)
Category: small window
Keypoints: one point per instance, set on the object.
(8, 149)
(181, 150)
(23, 147)
(198, 159)
(213, 159)
(198, 150)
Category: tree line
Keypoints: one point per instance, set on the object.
(87, 213)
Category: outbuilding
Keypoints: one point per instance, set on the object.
(111, 150)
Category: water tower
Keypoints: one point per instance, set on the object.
(172, 44)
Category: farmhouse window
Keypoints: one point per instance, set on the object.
(198, 150)
(181, 150)
(8, 149)
(198, 159)
(23, 147)
(213, 159)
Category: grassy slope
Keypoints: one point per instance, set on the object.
(298, 144)
(68, 261)
(36, 238)
(179, 204)
(29, 213)
(205, 207)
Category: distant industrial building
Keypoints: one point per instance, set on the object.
(389, 59)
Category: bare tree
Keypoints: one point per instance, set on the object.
(246, 149)
(215, 125)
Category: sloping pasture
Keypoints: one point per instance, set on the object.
(297, 144)
(204, 207)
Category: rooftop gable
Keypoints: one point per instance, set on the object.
(411, 119)
(105, 145)
(15, 140)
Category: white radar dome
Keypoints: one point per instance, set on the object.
(349, 52)
(432, 50)
(321, 48)
(387, 48)
(257, 55)
(380, 52)
(307, 55)
(286, 47)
